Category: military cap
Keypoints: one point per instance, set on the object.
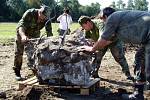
(83, 19)
(46, 11)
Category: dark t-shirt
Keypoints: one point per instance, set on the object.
(129, 26)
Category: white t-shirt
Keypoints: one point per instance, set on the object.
(65, 21)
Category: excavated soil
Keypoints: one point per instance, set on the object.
(113, 81)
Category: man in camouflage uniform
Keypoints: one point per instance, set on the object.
(32, 21)
(95, 27)
(132, 27)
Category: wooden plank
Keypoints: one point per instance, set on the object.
(32, 82)
(77, 87)
(92, 82)
(36, 83)
(23, 84)
(28, 80)
(84, 91)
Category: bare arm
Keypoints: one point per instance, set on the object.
(101, 43)
(22, 34)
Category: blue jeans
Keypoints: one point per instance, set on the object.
(61, 32)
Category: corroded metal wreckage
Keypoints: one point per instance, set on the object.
(61, 66)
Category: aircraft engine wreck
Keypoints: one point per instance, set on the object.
(65, 65)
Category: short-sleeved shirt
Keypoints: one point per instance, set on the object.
(29, 22)
(94, 34)
(129, 26)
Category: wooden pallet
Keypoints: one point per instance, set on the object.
(84, 90)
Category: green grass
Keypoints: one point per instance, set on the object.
(8, 31)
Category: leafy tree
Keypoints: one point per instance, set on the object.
(74, 8)
(113, 5)
(15, 8)
(130, 5)
(64, 3)
(83, 10)
(38, 3)
(141, 5)
(96, 8)
(120, 4)
(33, 3)
(91, 10)
(3, 10)
(18, 6)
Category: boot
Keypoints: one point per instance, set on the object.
(128, 75)
(147, 86)
(136, 95)
(95, 74)
(3, 95)
(18, 75)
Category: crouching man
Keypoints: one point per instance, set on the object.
(32, 21)
(131, 27)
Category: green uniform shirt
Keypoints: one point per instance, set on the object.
(29, 22)
(94, 34)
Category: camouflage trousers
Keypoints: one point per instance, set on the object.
(139, 64)
(18, 57)
(19, 50)
(142, 63)
(117, 52)
(147, 61)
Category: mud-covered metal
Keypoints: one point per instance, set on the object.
(60, 65)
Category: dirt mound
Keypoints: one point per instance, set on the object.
(44, 94)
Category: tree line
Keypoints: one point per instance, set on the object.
(12, 10)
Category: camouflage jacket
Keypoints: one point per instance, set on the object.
(29, 22)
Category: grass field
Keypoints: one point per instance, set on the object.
(8, 30)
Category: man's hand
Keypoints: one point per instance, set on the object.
(24, 38)
(64, 14)
(90, 42)
(85, 48)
